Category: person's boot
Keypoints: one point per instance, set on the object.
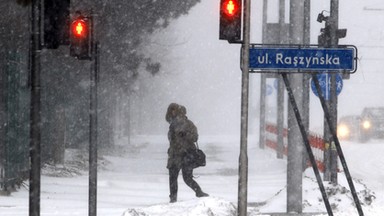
(200, 193)
(173, 198)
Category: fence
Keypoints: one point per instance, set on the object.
(316, 141)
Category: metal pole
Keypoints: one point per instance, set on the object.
(280, 118)
(338, 146)
(334, 18)
(92, 206)
(306, 76)
(35, 109)
(327, 147)
(243, 159)
(280, 88)
(295, 143)
(304, 136)
(330, 155)
(263, 79)
(263, 105)
(93, 137)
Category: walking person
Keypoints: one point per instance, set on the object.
(182, 136)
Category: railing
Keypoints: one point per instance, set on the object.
(315, 140)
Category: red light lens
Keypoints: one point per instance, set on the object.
(79, 28)
(230, 8)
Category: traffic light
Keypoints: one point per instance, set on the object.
(230, 20)
(325, 37)
(56, 23)
(340, 33)
(81, 38)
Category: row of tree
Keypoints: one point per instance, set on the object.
(122, 27)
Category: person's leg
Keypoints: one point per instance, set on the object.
(188, 179)
(173, 174)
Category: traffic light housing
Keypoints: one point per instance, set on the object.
(81, 38)
(56, 23)
(230, 20)
(325, 37)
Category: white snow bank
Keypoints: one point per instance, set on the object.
(207, 206)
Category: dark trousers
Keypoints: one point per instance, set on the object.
(188, 179)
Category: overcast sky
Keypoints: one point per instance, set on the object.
(203, 73)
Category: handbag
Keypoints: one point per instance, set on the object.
(195, 158)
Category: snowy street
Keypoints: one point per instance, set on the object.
(136, 180)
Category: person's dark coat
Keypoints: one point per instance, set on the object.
(182, 136)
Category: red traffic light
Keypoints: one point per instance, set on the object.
(230, 20)
(81, 38)
(79, 28)
(230, 7)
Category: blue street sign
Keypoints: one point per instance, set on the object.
(325, 85)
(283, 58)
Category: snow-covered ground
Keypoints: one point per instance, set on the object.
(134, 181)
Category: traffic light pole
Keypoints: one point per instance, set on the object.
(35, 108)
(84, 46)
(243, 159)
(93, 134)
(92, 205)
(334, 18)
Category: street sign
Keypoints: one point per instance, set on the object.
(295, 59)
(325, 85)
